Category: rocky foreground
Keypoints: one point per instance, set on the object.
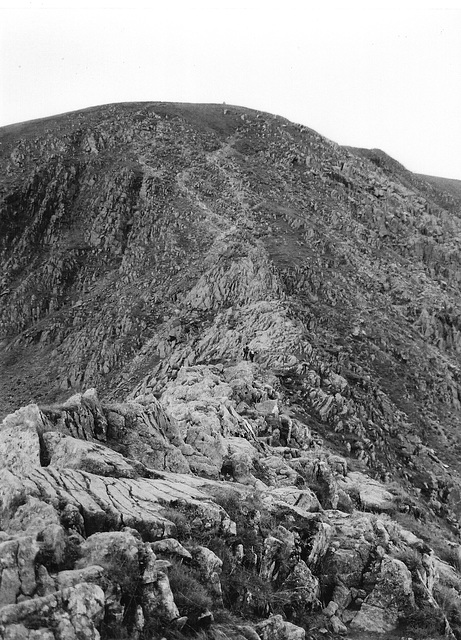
(272, 326)
(125, 521)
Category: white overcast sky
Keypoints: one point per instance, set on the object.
(368, 73)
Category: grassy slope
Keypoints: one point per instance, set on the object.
(445, 184)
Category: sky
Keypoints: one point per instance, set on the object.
(365, 73)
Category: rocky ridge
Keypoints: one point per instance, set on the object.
(271, 323)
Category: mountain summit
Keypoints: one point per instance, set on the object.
(237, 348)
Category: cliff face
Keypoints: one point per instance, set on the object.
(272, 324)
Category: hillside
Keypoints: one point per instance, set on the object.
(453, 187)
(237, 349)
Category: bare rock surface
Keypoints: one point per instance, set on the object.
(372, 494)
(391, 599)
(231, 382)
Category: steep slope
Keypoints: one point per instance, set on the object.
(290, 310)
(453, 187)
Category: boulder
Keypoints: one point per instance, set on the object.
(171, 547)
(277, 472)
(33, 517)
(373, 495)
(270, 563)
(17, 568)
(210, 567)
(353, 540)
(304, 589)
(75, 612)
(267, 407)
(239, 460)
(302, 498)
(318, 544)
(117, 553)
(158, 601)
(391, 599)
(92, 574)
(337, 626)
(19, 446)
(81, 417)
(64, 452)
(141, 430)
(275, 628)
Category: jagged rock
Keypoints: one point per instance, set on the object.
(150, 565)
(270, 563)
(90, 421)
(142, 431)
(278, 472)
(171, 547)
(267, 407)
(314, 468)
(161, 604)
(429, 573)
(65, 452)
(210, 567)
(17, 564)
(157, 598)
(352, 542)
(92, 574)
(116, 552)
(54, 544)
(302, 498)
(342, 596)
(331, 609)
(197, 399)
(337, 626)
(73, 519)
(320, 266)
(75, 612)
(391, 599)
(409, 538)
(304, 589)
(239, 460)
(345, 502)
(107, 502)
(373, 495)
(147, 436)
(19, 447)
(248, 632)
(275, 628)
(319, 544)
(23, 418)
(33, 517)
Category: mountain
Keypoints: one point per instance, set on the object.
(236, 346)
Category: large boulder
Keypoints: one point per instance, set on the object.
(304, 590)
(391, 599)
(141, 430)
(352, 544)
(19, 447)
(64, 452)
(75, 612)
(372, 494)
(209, 567)
(117, 552)
(239, 460)
(17, 569)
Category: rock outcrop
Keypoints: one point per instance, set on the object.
(230, 356)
